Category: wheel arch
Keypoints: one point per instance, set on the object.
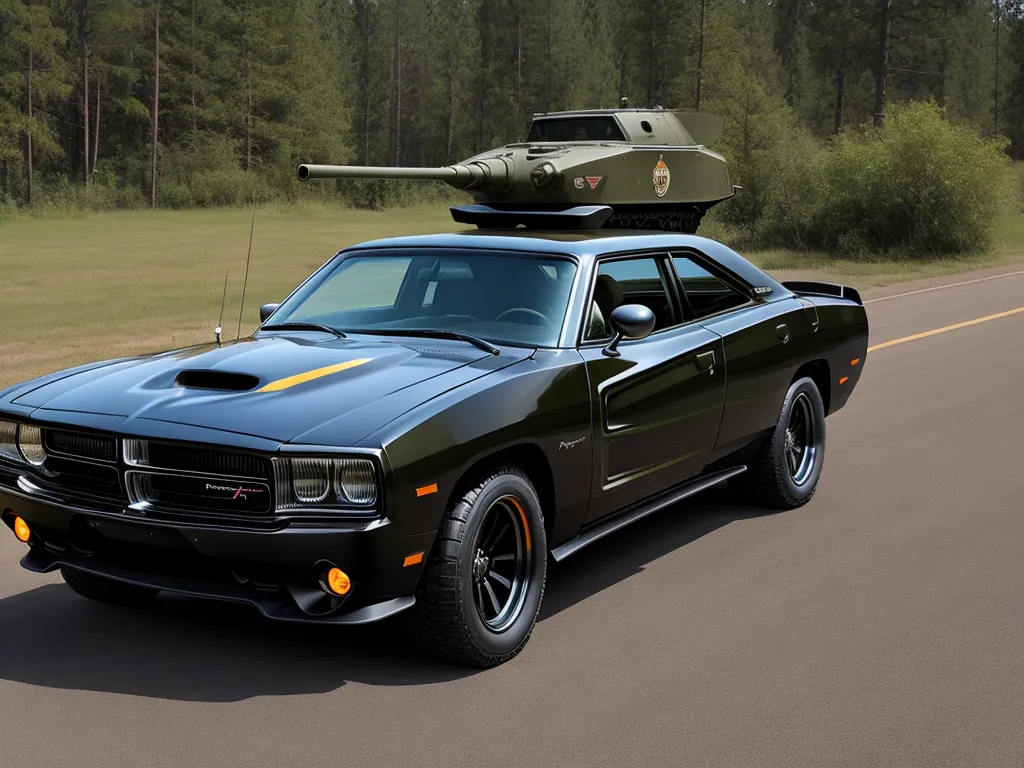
(527, 457)
(820, 372)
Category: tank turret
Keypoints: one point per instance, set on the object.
(651, 167)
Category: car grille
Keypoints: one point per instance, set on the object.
(81, 445)
(187, 493)
(208, 461)
(82, 479)
(159, 479)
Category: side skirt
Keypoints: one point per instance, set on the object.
(623, 519)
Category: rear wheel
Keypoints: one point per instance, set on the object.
(785, 473)
(105, 590)
(480, 593)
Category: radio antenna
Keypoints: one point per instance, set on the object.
(248, 255)
(223, 299)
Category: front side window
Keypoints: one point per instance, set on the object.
(627, 281)
(499, 296)
(706, 294)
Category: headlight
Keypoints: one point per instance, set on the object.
(324, 484)
(9, 441)
(30, 444)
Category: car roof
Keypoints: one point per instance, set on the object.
(583, 244)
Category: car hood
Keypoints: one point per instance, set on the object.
(277, 387)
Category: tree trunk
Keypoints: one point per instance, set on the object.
(650, 58)
(995, 90)
(195, 126)
(28, 137)
(700, 51)
(156, 101)
(396, 89)
(882, 59)
(840, 96)
(85, 110)
(449, 129)
(519, 60)
(96, 130)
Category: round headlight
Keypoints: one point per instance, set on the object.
(311, 480)
(30, 445)
(356, 482)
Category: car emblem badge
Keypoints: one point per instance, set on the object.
(579, 182)
(593, 181)
(662, 178)
(239, 492)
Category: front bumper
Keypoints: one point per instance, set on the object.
(278, 572)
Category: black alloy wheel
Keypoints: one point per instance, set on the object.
(501, 563)
(785, 472)
(481, 589)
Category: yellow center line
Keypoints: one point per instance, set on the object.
(937, 331)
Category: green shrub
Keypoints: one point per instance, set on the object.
(919, 186)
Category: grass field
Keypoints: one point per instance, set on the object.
(113, 284)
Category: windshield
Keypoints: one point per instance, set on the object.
(495, 295)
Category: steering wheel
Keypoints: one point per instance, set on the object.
(524, 310)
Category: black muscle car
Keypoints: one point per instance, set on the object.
(425, 422)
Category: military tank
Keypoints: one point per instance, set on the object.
(651, 167)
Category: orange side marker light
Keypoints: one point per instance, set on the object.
(413, 560)
(855, 361)
(21, 530)
(426, 490)
(843, 380)
(338, 581)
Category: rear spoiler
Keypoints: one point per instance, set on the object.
(824, 289)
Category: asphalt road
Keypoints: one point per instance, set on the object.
(880, 625)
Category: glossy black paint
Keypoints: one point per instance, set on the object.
(597, 434)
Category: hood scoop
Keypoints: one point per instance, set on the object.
(219, 380)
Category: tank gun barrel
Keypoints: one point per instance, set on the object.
(494, 174)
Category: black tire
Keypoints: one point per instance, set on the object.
(771, 479)
(105, 590)
(450, 619)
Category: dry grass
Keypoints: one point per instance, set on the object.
(115, 284)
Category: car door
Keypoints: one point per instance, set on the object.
(764, 342)
(657, 406)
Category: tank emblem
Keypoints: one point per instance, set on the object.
(581, 181)
(662, 178)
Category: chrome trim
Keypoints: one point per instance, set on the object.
(157, 469)
(610, 525)
(144, 504)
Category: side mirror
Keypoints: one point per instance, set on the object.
(630, 321)
(267, 310)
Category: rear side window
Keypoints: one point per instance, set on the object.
(705, 293)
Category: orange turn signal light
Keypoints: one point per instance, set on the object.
(338, 581)
(855, 361)
(843, 380)
(413, 559)
(21, 530)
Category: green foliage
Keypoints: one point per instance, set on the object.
(920, 186)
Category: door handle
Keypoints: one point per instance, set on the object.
(706, 361)
(782, 331)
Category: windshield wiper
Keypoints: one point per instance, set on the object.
(303, 327)
(436, 333)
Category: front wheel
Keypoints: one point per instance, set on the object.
(480, 593)
(785, 473)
